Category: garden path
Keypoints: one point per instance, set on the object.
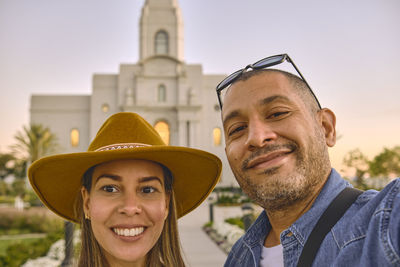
(23, 236)
(199, 249)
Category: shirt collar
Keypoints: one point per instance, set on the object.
(257, 232)
(302, 228)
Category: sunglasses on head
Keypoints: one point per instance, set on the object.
(261, 64)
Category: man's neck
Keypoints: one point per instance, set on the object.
(281, 219)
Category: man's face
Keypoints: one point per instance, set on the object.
(275, 146)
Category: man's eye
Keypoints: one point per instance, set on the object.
(109, 188)
(148, 189)
(278, 114)
(237, 129)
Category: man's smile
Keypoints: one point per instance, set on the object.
(268, 157)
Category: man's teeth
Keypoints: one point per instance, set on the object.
(128, 232)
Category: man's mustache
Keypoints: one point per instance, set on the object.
(268, 149)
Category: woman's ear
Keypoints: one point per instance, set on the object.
(328, 123)
(86, 200)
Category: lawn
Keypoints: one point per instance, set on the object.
(5, 243)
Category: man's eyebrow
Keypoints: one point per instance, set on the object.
(262, 102)
(273, 98)
(230, 116)
(110, 176)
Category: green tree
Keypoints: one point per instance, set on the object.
(34, 142)
(3, 189)
(18, 187)
(386, 163)
(6, 165)
(19, 168)
(359, 162)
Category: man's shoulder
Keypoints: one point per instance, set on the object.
(371, 226)
(385, 198)
(368, 213)
(240, 254)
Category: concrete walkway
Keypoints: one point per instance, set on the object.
(199, 249)
(23, 236)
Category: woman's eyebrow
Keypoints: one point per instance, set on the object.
(110, 176)
(150, 178)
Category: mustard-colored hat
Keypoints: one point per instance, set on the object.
(57, 179)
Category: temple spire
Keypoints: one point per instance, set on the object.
(161, 29)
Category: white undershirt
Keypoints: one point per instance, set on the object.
(272, 257)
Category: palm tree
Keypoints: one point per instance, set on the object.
(34, 142)
(5, 169)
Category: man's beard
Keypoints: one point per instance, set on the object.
(277, 192)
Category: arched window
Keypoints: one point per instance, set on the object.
(163, 130)
(161, 43)
(217, 136)
(162, 93)
(74, 135)
(105, 107)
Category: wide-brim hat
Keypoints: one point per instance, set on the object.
(57, 179)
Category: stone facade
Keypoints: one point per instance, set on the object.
(161, 87)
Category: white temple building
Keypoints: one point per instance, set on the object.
(175, 97)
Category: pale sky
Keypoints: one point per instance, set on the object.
(349, 52)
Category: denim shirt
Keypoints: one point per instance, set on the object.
(368, 234)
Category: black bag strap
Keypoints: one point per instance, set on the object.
(328, 219)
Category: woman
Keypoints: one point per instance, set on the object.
(126, 192)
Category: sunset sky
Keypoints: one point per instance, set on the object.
(349, 52)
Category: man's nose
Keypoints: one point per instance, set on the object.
(259, 134)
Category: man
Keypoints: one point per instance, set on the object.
(277, 138)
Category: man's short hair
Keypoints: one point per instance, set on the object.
(301, 87)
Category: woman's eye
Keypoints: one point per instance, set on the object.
(148, 189)
(109, 188)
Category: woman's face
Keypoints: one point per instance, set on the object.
(127, 206)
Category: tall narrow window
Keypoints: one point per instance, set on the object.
(161, 43)
(163, 130)
(162, 93)
(188, 133)
(217, 136)
(74, 137)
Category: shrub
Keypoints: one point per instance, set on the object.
(7, 200)
(32, 199)
(235, 221)
(29, 221)
(240, 221)
(230, 196)
(19, 252)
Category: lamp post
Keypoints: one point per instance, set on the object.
(69, 244)
(247, 209)
(211, 208)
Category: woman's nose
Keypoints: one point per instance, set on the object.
(130, 205)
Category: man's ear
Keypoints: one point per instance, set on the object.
(328, 123)
(86, 200)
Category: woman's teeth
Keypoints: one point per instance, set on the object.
(128, 232)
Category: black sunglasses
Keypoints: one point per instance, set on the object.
(261, 64)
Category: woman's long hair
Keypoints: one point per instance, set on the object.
(166, 251)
